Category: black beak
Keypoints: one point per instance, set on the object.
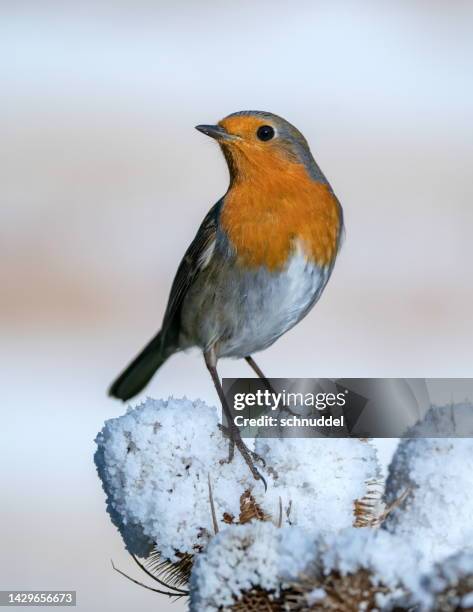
(214, 131)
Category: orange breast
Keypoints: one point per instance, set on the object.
(267, 212)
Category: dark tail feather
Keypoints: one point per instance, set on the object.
(140, 371)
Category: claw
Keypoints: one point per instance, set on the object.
(248, 455)
(257, 457)
(231, 450)
(231, 446)
(256, 474)
(265, 484)
(223, 429)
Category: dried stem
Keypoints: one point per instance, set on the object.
(145, 586)
(161, 582)
(212, 508)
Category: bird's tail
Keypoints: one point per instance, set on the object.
(140, 371)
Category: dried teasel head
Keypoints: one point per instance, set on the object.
(256, 600)
(450, 583)
(369, 509)
(250, 510)
(454, 596)
(338, 593)
(174, 575)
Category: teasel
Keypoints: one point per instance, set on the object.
(257, 600)
(174, 575)
(369, 509)
(338, 593)
(341, 591)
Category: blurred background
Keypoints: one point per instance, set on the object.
(103, 182)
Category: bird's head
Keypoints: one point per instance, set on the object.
(253, 141)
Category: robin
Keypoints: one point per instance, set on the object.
(259, 262)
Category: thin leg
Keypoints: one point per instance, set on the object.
(226, 408)
(235, 436)
(252, 363)
(259, 372)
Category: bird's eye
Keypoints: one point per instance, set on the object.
(265, 132)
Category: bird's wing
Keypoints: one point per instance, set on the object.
(196, 258)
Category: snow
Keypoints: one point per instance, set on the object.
(317, 479)
(386, 556)
(446, 575)
(467, 601)
(154, 463)
(315, 595)
(260, 555)
(245, 556)
(436, 517)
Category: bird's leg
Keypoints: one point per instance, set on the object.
(259, 372)
(235, 436)
(254, 366)
(231, 445)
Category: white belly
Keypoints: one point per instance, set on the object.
(246, 311)
(270, 304)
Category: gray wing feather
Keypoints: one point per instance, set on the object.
(194, 260)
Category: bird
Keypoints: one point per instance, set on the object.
(259, 262)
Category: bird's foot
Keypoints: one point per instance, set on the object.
(231, 452)
(250, 462)
(249, 456)
(231, 444)
(258, 457)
